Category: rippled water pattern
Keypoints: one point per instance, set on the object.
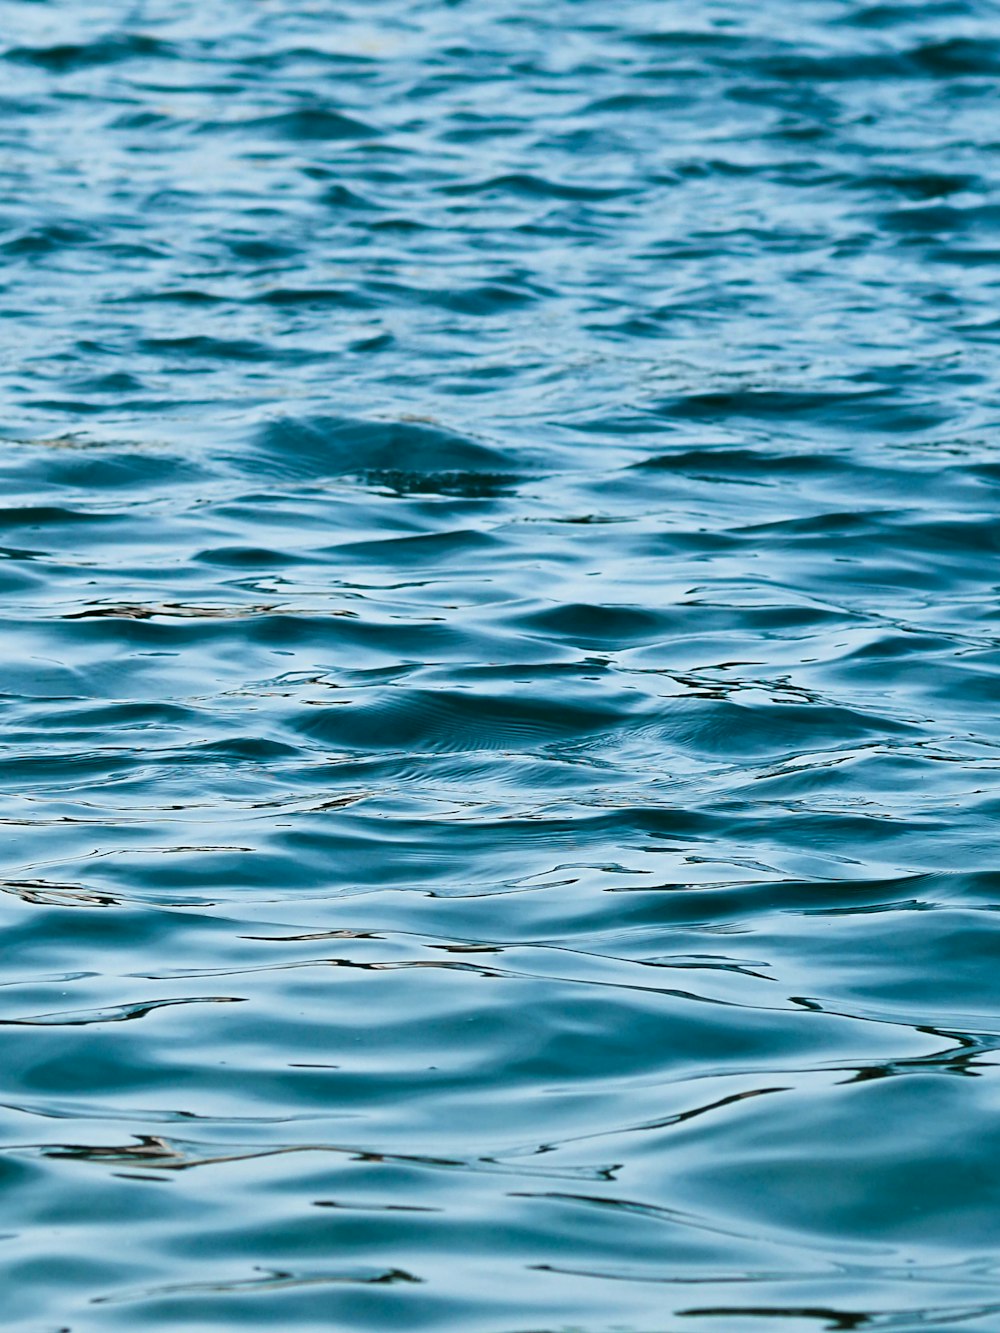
(500, 665)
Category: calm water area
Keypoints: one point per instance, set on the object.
(499, 666)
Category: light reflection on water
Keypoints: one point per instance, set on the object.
(499, 663)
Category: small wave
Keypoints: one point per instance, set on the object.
(309, 124)
(374, 448)
(112, 49)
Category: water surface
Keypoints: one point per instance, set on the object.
(499, 665)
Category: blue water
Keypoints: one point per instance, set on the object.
(499, 665)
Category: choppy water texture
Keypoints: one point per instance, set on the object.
(500, 665)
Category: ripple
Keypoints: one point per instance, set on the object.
(499, 782)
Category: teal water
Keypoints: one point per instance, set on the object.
(499, 666)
